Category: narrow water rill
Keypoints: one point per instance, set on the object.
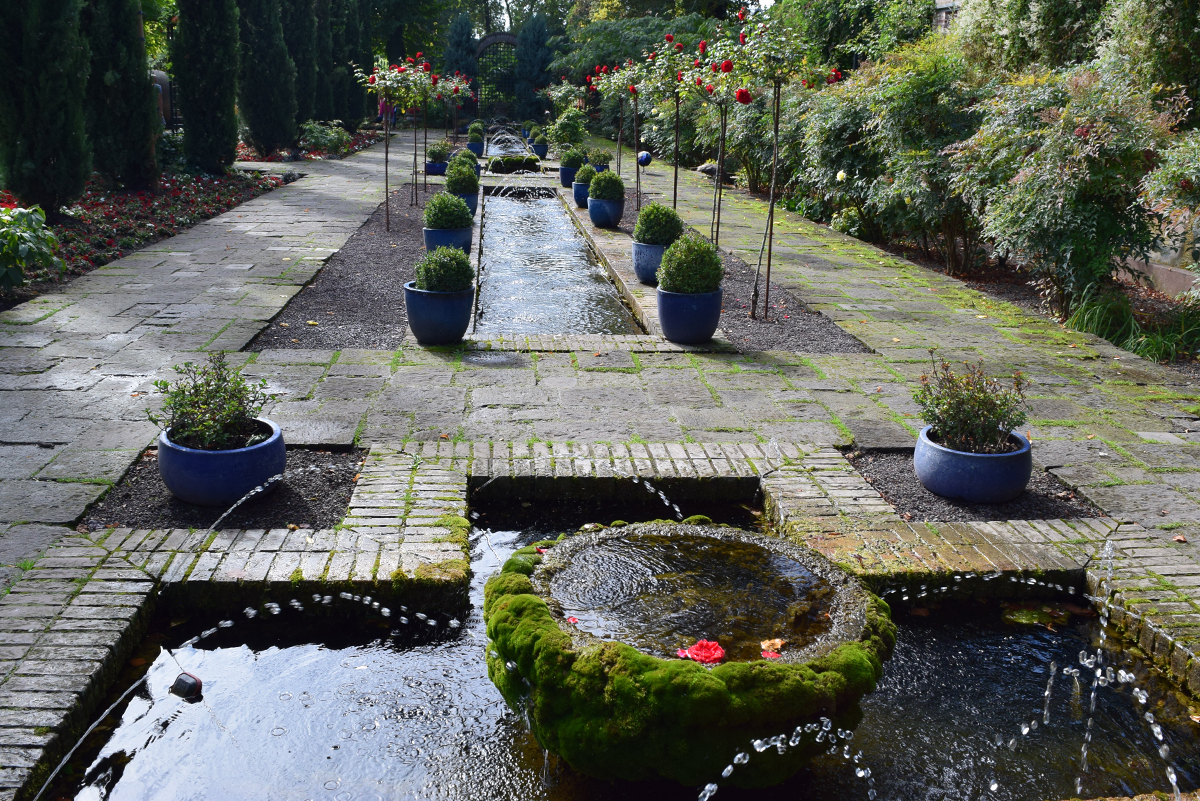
(538, 275)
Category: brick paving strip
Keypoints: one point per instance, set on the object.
(548, 418)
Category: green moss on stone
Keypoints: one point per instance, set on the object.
(697, 520)
(451, 570)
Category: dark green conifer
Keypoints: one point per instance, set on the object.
(266, 78)
(459, 54)
(533, 69)
(205, 58)
(43, 123)
(300, 33)
(323, 58)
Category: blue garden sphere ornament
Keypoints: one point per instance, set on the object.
(644, 158)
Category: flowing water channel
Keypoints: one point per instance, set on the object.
(329, 699)
(538, 275)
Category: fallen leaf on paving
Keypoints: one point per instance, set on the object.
(1091, 436)
(312, 322)
(1179, 538)
(284, 325)
(895, 340)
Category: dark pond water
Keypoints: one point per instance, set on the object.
(539, 276)
(661, 593)
(295, 708)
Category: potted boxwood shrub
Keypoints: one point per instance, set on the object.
(657, 228)
(436, 156)
(569, 164)
(475, 139)
(534, 133)
(439, 302)
(528, 126)
(448, 223)
(541, 146)
(689, 289)
(463, 182)
(606, 200)
(468, 158)
(970, 449)
(579, 186)
(214, 448)
(599, 158)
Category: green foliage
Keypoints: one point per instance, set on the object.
(541, 140)
(969, 411)
(612, 711)
(657, 225)
(615, 40)
(329, 137)
(475, 137)
(26, 245)
(323, 61)
(607, 185)
(504, 165)
(1055, 171)
(445, 210)
(44, 155)
(573, 159)
(1105, 310)
(123, 118)
(267, 77)
(844, 32)
(568, 128)
(1157, 43)
(445, 270)
(205, 55)
(349, 97)
(439, 151)
(1174, 185)
(533, 56)
(467, 156)
(211, 406)
(1013, 35)
(459, 53)
(585, 174)
(535, 131)
(599, 157)
(299, 20)
(690, 266)
(461, 179)
(476, 127)
(528, 125)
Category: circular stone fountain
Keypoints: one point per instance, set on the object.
(585, 639)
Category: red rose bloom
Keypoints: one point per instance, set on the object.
(742, 37)
(669, 38)
(696, 63)
(371, 79)
(699, 82)
(434, 80)
(411, 60)
(679, 77)
(703, 46)
(743, 96)
(588, 78)
(716, 67)
(395, 68)
(419, 54)
(706, 652)
(726, 66)
(709, 88)
(678, 46)
(427, 67)
(652, 55)
(633, 90)
(742, 14)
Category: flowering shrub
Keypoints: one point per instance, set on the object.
(211, 407)
(326, 137)
(970, 411)
(25, 246)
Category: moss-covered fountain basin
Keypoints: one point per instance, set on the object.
(584, 635)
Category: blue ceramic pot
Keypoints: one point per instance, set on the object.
(600, 167)
(436, 167)
(972, 477)
(472, 201)
(566, 176)
(219, 478)
(475, 147)
(689, 319)
(646, 261)
(448, 237)
(541, 150)
(438, 318)
(606, 213)
(580, 191)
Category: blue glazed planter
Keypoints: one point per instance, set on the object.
(606, 213)
(436, 167)
(646, 261)
(689, 319)
(448, 237)
(472, 201)
(438, 318)
(475, 147)
(600, 167)
(566, 176)
(972, 477)
(580, 191)
(219, 478)
(541, 150)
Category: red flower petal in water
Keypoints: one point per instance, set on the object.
(726, 66)
(706, 652)
(540, 550)
(771, 655)
(572, 620)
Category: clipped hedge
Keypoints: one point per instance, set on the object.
(503, 165)
(612, 711)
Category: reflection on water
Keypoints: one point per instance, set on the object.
(539, 276)
(285, 717)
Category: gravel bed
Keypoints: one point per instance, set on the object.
(891, 473)
(314, 493)
(357, 299)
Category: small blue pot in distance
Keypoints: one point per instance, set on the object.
(580, 191)
(436, 167)
(475, 147)
(438, 318)
(219, 478)
(566, 176)
(541, 150)
(448, 237)
(689, 319)
(472, 201)
(600, 167)
(646, 261)
(606, 213)
(972, 477)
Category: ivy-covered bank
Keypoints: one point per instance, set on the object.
(612, 711)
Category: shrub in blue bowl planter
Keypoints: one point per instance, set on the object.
(606, 200)
(448, 223)
(569, 166)
(579, 187)
(657, 228)
(214, 449)
(475, 144)
(435, 168)
(462, 182)
(599, 158)
(440, 300)
(970, 450)
(689, 291)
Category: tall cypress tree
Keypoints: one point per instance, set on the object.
(267, 77)
(46, 156)
(323, 58)
(342, 14)
(300, 33)
(205, 56)
(459, 54)
(123, 118)
(533, 68)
